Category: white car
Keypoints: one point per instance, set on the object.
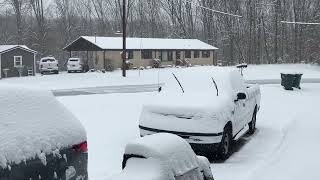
(163, 156)
(75, 65)
(49, 65)
(212, 109)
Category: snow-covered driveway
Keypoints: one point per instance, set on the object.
(112, 121)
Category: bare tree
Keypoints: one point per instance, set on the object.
(40, 36)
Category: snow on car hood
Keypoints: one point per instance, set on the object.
(144, 169)
(194, 113)
(33, 122)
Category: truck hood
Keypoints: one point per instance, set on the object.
(192, 113)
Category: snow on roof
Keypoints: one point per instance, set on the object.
(172, 150)
(4, 48)
(115, 43)
(33, 122)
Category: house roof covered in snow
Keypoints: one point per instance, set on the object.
(92, 43)
(6, 48)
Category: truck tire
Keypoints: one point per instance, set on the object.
(252, 124)
(224, 150)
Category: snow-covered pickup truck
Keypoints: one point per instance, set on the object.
(212, 109)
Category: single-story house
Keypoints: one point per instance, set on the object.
(17, 60)
(142, 51)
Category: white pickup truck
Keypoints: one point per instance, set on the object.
(212, 109)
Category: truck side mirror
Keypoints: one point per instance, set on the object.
(241, 96)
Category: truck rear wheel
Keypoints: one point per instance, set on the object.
(252, 124)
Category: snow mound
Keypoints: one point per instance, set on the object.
(173, 151)
(33, 122)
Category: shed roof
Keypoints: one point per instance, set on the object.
(6, 48)
(115, 43)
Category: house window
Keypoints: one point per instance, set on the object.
(196, 54)
(205, 54)
(178, 54)
(146, 54)
(187, 54)
(17, 61)
(130, 54)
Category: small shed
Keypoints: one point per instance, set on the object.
(17, 60)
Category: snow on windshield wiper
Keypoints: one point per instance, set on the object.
(178, 82)
(215, 84)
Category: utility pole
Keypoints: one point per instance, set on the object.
(124, 34)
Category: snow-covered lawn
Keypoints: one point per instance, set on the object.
(284, 147)
(80, 80)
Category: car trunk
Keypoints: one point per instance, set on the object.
(67, 164)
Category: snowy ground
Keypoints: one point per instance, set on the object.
(284, 147)
(136, 77)
(282, 144)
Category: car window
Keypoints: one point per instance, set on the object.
(73, 60)
(48, 60)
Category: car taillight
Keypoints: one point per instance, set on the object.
(82, 147)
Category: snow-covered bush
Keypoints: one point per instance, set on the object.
(156, 63)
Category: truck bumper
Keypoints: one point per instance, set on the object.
(194, 139)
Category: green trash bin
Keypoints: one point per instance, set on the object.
(287, 81)
(290, 81)
(297, 81)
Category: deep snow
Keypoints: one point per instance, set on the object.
(109, 130)
(276, 151)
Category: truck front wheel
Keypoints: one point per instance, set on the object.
(224, 150)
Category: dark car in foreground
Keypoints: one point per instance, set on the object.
(163, 156)
(39, 137)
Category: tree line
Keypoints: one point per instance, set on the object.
(258, 36)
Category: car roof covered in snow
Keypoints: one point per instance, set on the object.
(172, 150)
(33, 122)
(115, 43)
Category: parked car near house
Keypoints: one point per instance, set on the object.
(209, 110)
(49, 65)
(40, 138)
(75, 65)
(162, 156)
